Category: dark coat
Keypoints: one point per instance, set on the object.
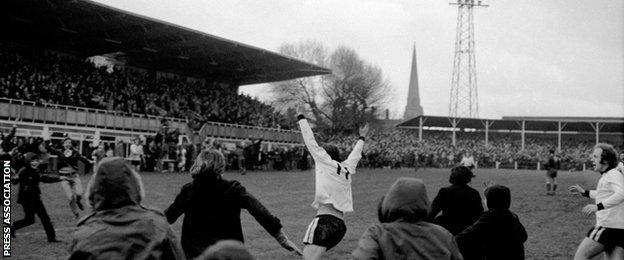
(403, 233)
(29, 179)
(119, 227)
(211, 208)
(460, 205)
(498, 234)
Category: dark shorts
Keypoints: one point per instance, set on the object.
(325, 231)
(551, 174)
(608, 237)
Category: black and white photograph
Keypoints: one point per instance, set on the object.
(312, 129)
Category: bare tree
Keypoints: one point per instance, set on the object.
(302, 91)
(340, 101)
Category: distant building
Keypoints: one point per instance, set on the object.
(413, 107)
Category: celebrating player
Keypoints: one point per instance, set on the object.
(552, 166)
(332, 196)
(608, 234)
(68, 167)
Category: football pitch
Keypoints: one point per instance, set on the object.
(555, 224)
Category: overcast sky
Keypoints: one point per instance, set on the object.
(534, 57)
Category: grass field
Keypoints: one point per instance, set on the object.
(554, 223)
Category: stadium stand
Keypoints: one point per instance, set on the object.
(163, 82)
(512, 142)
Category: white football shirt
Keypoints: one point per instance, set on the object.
(332, 178)
(610, 192)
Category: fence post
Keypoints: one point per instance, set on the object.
(584, 167)
(538, 166)
(515, 165)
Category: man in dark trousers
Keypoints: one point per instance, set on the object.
(29, 196)
(552, 166)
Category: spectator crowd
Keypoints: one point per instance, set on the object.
(401, 148)
(51, 78)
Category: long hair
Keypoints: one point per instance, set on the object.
(608, 155)
(209, 163)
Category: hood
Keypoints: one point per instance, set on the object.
(406, 201)
(116, 184)
(498, 197)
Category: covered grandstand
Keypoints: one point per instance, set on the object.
(86, 28)
(521, 125)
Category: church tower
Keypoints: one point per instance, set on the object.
(413, 108)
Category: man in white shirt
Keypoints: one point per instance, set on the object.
(608, 234)
(468, 161)
(332, 196)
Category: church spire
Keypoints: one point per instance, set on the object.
(413, 108)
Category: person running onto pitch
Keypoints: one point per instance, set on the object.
(608, 234)
(332, 196)
(212, 206)
(29, 196)
(552, 166)
(120, 226)
(403, 231)
(68, 167)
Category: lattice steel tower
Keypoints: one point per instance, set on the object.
(464, 101)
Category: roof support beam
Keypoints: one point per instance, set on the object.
(454, 122)
(560, 126)
(487, 123)
(421, 121)
(522, 133)
(597, 129)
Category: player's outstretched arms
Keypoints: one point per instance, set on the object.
(364, 130)
(318, 153)
(356, 154)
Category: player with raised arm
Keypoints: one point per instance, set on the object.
(332, 196)
(608, 234)
(68, 166)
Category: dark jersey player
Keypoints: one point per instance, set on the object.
(552, 166)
